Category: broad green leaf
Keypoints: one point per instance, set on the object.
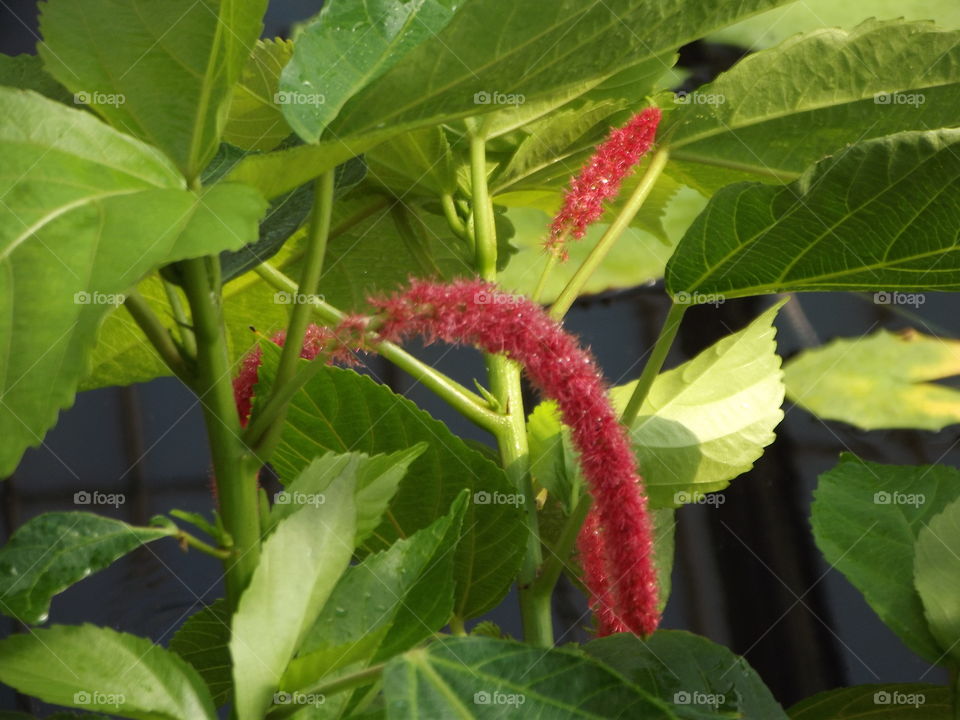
(299, 566)
(690, 671)
(842, 87)
(97, 668)
(161, 71)
(478, 677)
(706, 421)
(376, 481)
(771, 28)
(87, 213)
(53, 551)
(385, 605)
(255, 121)
(420, 161)
(918, 701)
(204, 642)
(554, 461)
(879, 215)
(879, 381)
(347, 47)
(342, 411)
(26, 73)
(529, 49)
(866, 518)
(936, 574)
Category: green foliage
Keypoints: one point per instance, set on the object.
(26, 73)
(936, 570)
(204, 642)
(53, 551)
(255, 121)
(101, 669)
(877, 381)
(877, 702)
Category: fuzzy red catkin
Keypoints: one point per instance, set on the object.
(601, 178)
(616, 542)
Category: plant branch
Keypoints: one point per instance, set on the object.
(187, 341)
(344, 682)
(657, 357)
(187, 540)
(159, 336)
(553, 565)
(575, 286)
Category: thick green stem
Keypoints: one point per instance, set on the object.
(463, 400)
(236, 477)
(306, 294)
(512, 436)
(657, 357)
(159, 337)
(574, 287)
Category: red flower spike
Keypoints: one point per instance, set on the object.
(600, 179)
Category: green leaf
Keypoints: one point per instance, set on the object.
(348, 46)
(478, 677)
(879, 381)
(255, 121)
(554, 461)
(936, 570)
(843, 87)
(706, 421)
(919, 701)
(376, 481)
(385, 605)
(771, 28)
(299, 566)
(866, 518)
(26, 73)
(416, 162)
(87, 213)
(98, 668)
(690, 671)
(342, 411)
(528, 49)
(53, 551)
(204, 642)
(880, 215)
(162, 72)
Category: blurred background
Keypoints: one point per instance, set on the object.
(746, 575)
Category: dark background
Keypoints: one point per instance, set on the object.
(747, 574)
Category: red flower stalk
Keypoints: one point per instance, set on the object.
(616, 542)
(600, 179)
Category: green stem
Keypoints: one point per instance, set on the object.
(463, 400)
(553, 565)
(188, 540)
(574, 287)
(159, 336)
(453, 217)
(512, 436)
(319, 232)
(331, 687)
(236, 477)
(657, 357)
(457, 627)
(187, 340)
(542, 282)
